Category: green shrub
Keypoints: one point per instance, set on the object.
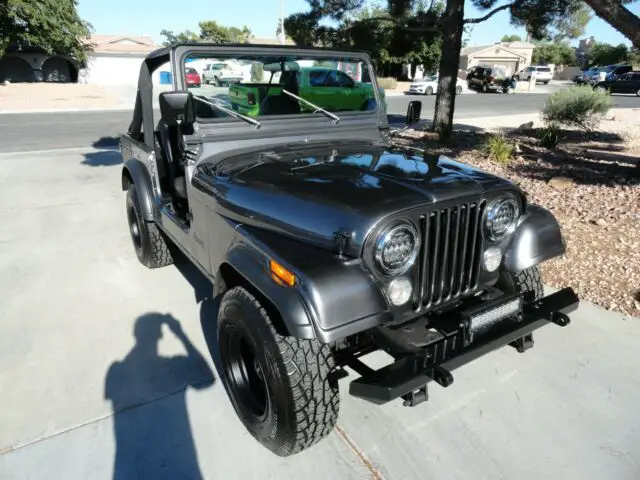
(550, 136)
(498, 148)
(388, 83)
(579, 106)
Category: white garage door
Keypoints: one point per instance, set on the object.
(114, 70)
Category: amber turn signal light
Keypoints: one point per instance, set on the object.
(278, 272)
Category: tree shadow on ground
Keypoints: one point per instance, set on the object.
(147, 392)
(102, 158)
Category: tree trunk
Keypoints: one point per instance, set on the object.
(449, 62)
(619, 17)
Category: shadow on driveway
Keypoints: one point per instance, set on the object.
(155, 441)
(102, 158)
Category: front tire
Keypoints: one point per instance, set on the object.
(458, 90)
(282, 388)
(148, 242)
(429, 91)
(485, 88)
(528, 282)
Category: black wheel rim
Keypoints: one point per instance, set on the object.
(245, 375)
(134, 227)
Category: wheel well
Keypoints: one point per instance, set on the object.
(228, 277)
(126, 179)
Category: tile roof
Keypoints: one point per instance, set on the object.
(122, 44)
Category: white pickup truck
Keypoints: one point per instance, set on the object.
(222, 73)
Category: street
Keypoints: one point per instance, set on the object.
(50, 131)
(74, 296)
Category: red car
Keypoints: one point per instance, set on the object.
(192, 78)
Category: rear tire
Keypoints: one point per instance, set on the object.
(485, 88)
(281, 388)
(638, 93)
(149, 243)
(458, 90)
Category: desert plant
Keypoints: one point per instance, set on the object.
(550, 136)
(499, 148)
(388, 83)
(580, 106)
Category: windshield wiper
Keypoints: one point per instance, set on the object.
(332, 116)
(250, 120)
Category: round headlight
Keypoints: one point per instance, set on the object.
(396, 249)
(501, 219)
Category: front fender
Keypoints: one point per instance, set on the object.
(332, 298)
(537, 238)
(137, 173)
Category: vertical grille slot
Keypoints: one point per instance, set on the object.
(450, 254)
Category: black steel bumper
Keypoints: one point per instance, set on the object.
(408, 376)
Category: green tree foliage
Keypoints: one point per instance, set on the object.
(605, 54)
(558, 53)
(53, 25)
(511, 38)
(210, 31)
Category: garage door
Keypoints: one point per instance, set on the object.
(114, 70)
(511, 65)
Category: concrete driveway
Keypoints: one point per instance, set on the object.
(94, 369)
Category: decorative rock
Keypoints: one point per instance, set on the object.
(601, 222)
(561, 183)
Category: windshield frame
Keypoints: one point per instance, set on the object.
(230, 51)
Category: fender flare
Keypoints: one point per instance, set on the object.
(331, 300)
(135, 172)
(537, 238)
(251, 264)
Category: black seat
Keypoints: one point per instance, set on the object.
(283, 104)
(169, 138)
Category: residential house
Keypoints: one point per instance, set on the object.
(515, 56)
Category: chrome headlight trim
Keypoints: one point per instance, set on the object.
(384, 237)
(490, 216)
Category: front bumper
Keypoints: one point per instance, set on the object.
(408, 376)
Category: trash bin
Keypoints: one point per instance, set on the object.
(165, 78)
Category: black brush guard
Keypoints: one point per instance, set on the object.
(449, 348)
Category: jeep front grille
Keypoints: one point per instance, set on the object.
(450, 253)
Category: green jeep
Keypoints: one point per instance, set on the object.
(329, 88)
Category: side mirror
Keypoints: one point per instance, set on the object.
(177, 107)
(413, 112)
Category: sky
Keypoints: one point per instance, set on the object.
(149, 17)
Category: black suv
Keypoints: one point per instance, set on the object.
(325, 240)
(626, 83)
(483, 78)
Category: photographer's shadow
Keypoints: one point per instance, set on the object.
(155, 440)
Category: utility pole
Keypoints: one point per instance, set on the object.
(282, 34)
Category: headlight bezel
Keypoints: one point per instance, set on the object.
(384, 236)
(491, 211)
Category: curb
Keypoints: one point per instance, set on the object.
(65, 110)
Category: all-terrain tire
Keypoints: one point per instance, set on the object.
(294, 400)
(149, 243)
(528, 282)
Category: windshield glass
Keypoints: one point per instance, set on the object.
(430, 78)
(254, 85)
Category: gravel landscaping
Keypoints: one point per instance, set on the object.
(592, 186)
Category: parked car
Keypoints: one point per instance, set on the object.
(486, 77)
(192, 79)
(539, 72)
(325, 239)
(429, 86)
(330, 88)
(626, 83)
(617, 70)
(222, 73)
(591, 75)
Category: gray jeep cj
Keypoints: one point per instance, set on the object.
(324, 240)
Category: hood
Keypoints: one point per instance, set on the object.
(314, 193)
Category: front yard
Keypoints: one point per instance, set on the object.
(591, 184)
